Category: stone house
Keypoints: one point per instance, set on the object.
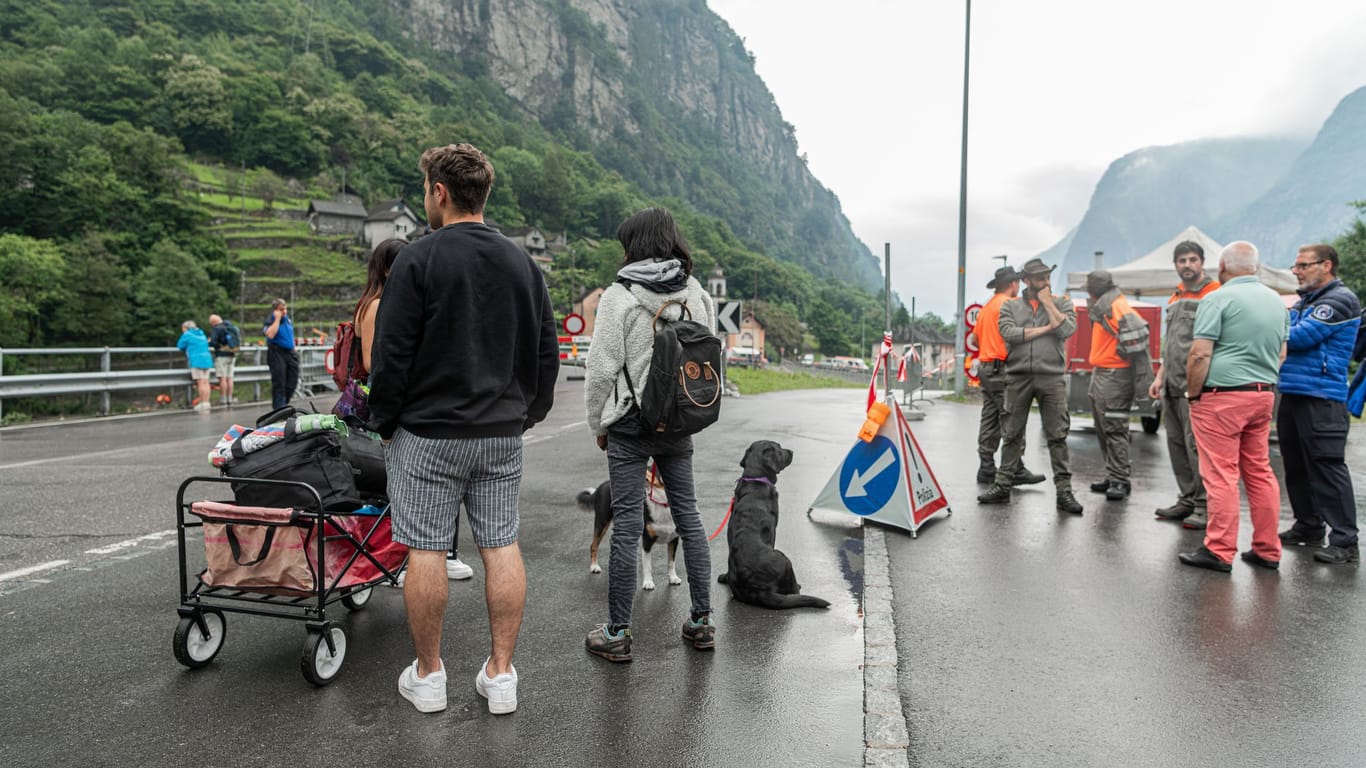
(333, 217)
(389, 219)
(531, 240)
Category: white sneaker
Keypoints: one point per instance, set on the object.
(457, 570)
(501, 691)
(204, 406)
(428, 693)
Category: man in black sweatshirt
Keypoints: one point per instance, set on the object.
(465, 360)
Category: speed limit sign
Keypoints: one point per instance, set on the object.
(970, 315)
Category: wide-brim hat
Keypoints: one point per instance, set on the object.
(1099, 281)
(1037, 267)
(1003, 275)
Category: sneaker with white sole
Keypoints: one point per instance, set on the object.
(500, 691)
(456, 570)
(428, 693)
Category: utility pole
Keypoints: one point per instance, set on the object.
(959, 382)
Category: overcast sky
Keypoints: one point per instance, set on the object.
(1059, 89)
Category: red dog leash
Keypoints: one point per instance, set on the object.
(726, 519)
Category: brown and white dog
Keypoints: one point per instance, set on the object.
(659, 525)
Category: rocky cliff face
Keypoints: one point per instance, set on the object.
(653, 76)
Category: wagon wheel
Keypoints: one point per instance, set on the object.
(198, 638)
(320, 664)
(357, 598)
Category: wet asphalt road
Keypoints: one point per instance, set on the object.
(1025, 638)
(88, 677)
(1030, 638)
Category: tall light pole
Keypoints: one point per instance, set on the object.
(960, 338)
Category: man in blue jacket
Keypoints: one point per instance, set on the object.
(280, 355)
(1313, 420)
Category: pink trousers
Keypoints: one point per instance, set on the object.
(1232, 431)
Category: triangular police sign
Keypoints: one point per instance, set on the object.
(887, 479)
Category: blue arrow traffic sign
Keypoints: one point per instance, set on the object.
(869, 475)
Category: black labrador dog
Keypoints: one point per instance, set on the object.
(759, 574)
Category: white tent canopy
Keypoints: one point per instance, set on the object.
(1153, 275)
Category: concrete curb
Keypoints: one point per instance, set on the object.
(885, 740)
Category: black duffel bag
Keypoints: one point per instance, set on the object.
(309, 457)
(363, 450)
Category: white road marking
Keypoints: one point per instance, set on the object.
(126, 543)
(97, 454)
(32, 569)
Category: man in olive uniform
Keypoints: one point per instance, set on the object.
(992, 373)
(1121, 368)
(1035, 328)
(1170, 385)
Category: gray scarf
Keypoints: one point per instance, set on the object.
(655, 276)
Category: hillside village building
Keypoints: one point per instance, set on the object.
(336, 217)
(389, 219)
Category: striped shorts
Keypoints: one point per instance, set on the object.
(430, 478)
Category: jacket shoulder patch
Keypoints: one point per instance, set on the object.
(1323, 312)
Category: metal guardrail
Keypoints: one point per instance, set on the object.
(312, 373)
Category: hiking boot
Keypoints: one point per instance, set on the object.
(1175, 513)
(1100, 487)
(986, 474)
(1117, 491)
(995, 494)
(1298, 537)
(612, 647)
(1068, 503)
(701, 633)
(1195, 521)
(501, 691)
(456, 570)
(428, 693)
(1338, 555)
(1025, 477)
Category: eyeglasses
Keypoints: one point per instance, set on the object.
(1305, 264)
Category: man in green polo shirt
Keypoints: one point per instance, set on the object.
(1231, 373)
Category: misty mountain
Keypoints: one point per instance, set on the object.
(1150, 194)
(1277, 193)
(1309, 203)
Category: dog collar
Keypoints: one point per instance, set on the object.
(763, 480)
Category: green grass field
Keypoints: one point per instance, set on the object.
(755, 381)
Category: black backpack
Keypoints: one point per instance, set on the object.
(682, 394)
(231, 338)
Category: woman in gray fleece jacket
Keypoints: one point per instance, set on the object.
(656, 270)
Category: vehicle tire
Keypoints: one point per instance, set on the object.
(319, 665)
(191, 647)
(1151, 423)
(357, 598)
